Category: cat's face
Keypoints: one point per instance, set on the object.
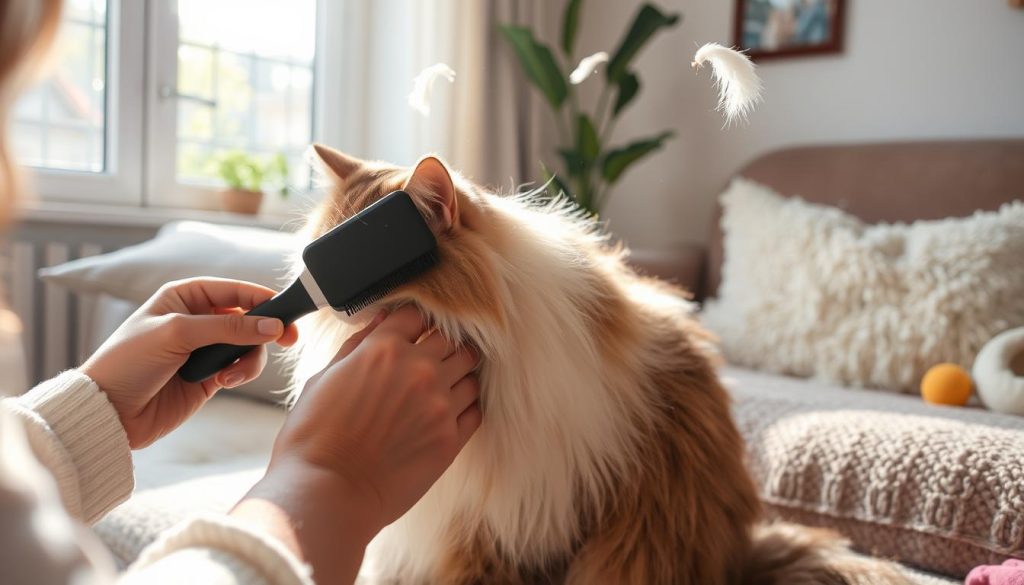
(463, 286)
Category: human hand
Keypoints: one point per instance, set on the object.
(137, 366)
(367, 438)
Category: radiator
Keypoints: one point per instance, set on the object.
(56, 322)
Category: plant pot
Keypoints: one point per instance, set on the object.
(241, 201)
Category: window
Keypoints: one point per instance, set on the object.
(246, 88)
(221, 75)
(61, 124)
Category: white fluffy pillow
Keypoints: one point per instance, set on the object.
(180, 250)
(810, 290)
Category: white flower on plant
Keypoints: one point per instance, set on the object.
(587, 67)
(423, 86)
(739, 87)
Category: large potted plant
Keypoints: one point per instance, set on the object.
(247, 176)
(588, 165)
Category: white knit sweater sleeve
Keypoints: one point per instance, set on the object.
(75, 433)
(217, 550)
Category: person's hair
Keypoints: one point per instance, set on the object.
(27, 32)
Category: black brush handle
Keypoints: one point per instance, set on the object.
(287, 305)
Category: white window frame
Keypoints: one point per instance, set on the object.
(141, 125)
(121, 180)
(162, 188)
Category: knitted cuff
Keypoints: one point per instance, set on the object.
(255, 549)
(77, 434)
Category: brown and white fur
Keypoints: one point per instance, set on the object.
(607, 453)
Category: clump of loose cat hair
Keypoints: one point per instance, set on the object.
(739, 87)
(607, 452)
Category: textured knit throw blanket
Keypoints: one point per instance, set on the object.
(937, 488)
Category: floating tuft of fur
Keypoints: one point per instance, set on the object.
(587, 67)
(739, 87)
(423, 86)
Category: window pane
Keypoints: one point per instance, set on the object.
(234, 99)
(274, 29)
(61, 124)
(247, 88)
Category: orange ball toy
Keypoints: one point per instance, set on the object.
(946, 384)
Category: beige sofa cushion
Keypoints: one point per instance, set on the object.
(940, 488)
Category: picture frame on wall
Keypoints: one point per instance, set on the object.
(769, 29)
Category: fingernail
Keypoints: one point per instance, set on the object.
(269, 326)
(234, 379)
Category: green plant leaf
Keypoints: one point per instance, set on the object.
(538, 63)
(617, 161)
(250, 174)
(555, 186)
(227, 174)
(574, 162)
(647, 22)
(629, 86)
(570, 25)
(585, 199)
(277, 167)
(240, 170)
(587, 144)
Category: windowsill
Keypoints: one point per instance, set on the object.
(123, 215)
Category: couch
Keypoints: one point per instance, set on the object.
(902, 479)
(859, 461)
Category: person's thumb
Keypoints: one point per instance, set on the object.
(197, 331)
(353, 342)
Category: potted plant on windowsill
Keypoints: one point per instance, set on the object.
(246, 176)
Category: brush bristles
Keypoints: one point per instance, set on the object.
(386, 285)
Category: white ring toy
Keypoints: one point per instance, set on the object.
(999, 387)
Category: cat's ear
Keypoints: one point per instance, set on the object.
(432, 176)
(338, 163)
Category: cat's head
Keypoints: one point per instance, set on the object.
(464, 288)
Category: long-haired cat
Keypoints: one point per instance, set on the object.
(607, 453)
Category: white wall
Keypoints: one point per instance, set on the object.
(910, 69)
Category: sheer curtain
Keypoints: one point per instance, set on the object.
(489, 123)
